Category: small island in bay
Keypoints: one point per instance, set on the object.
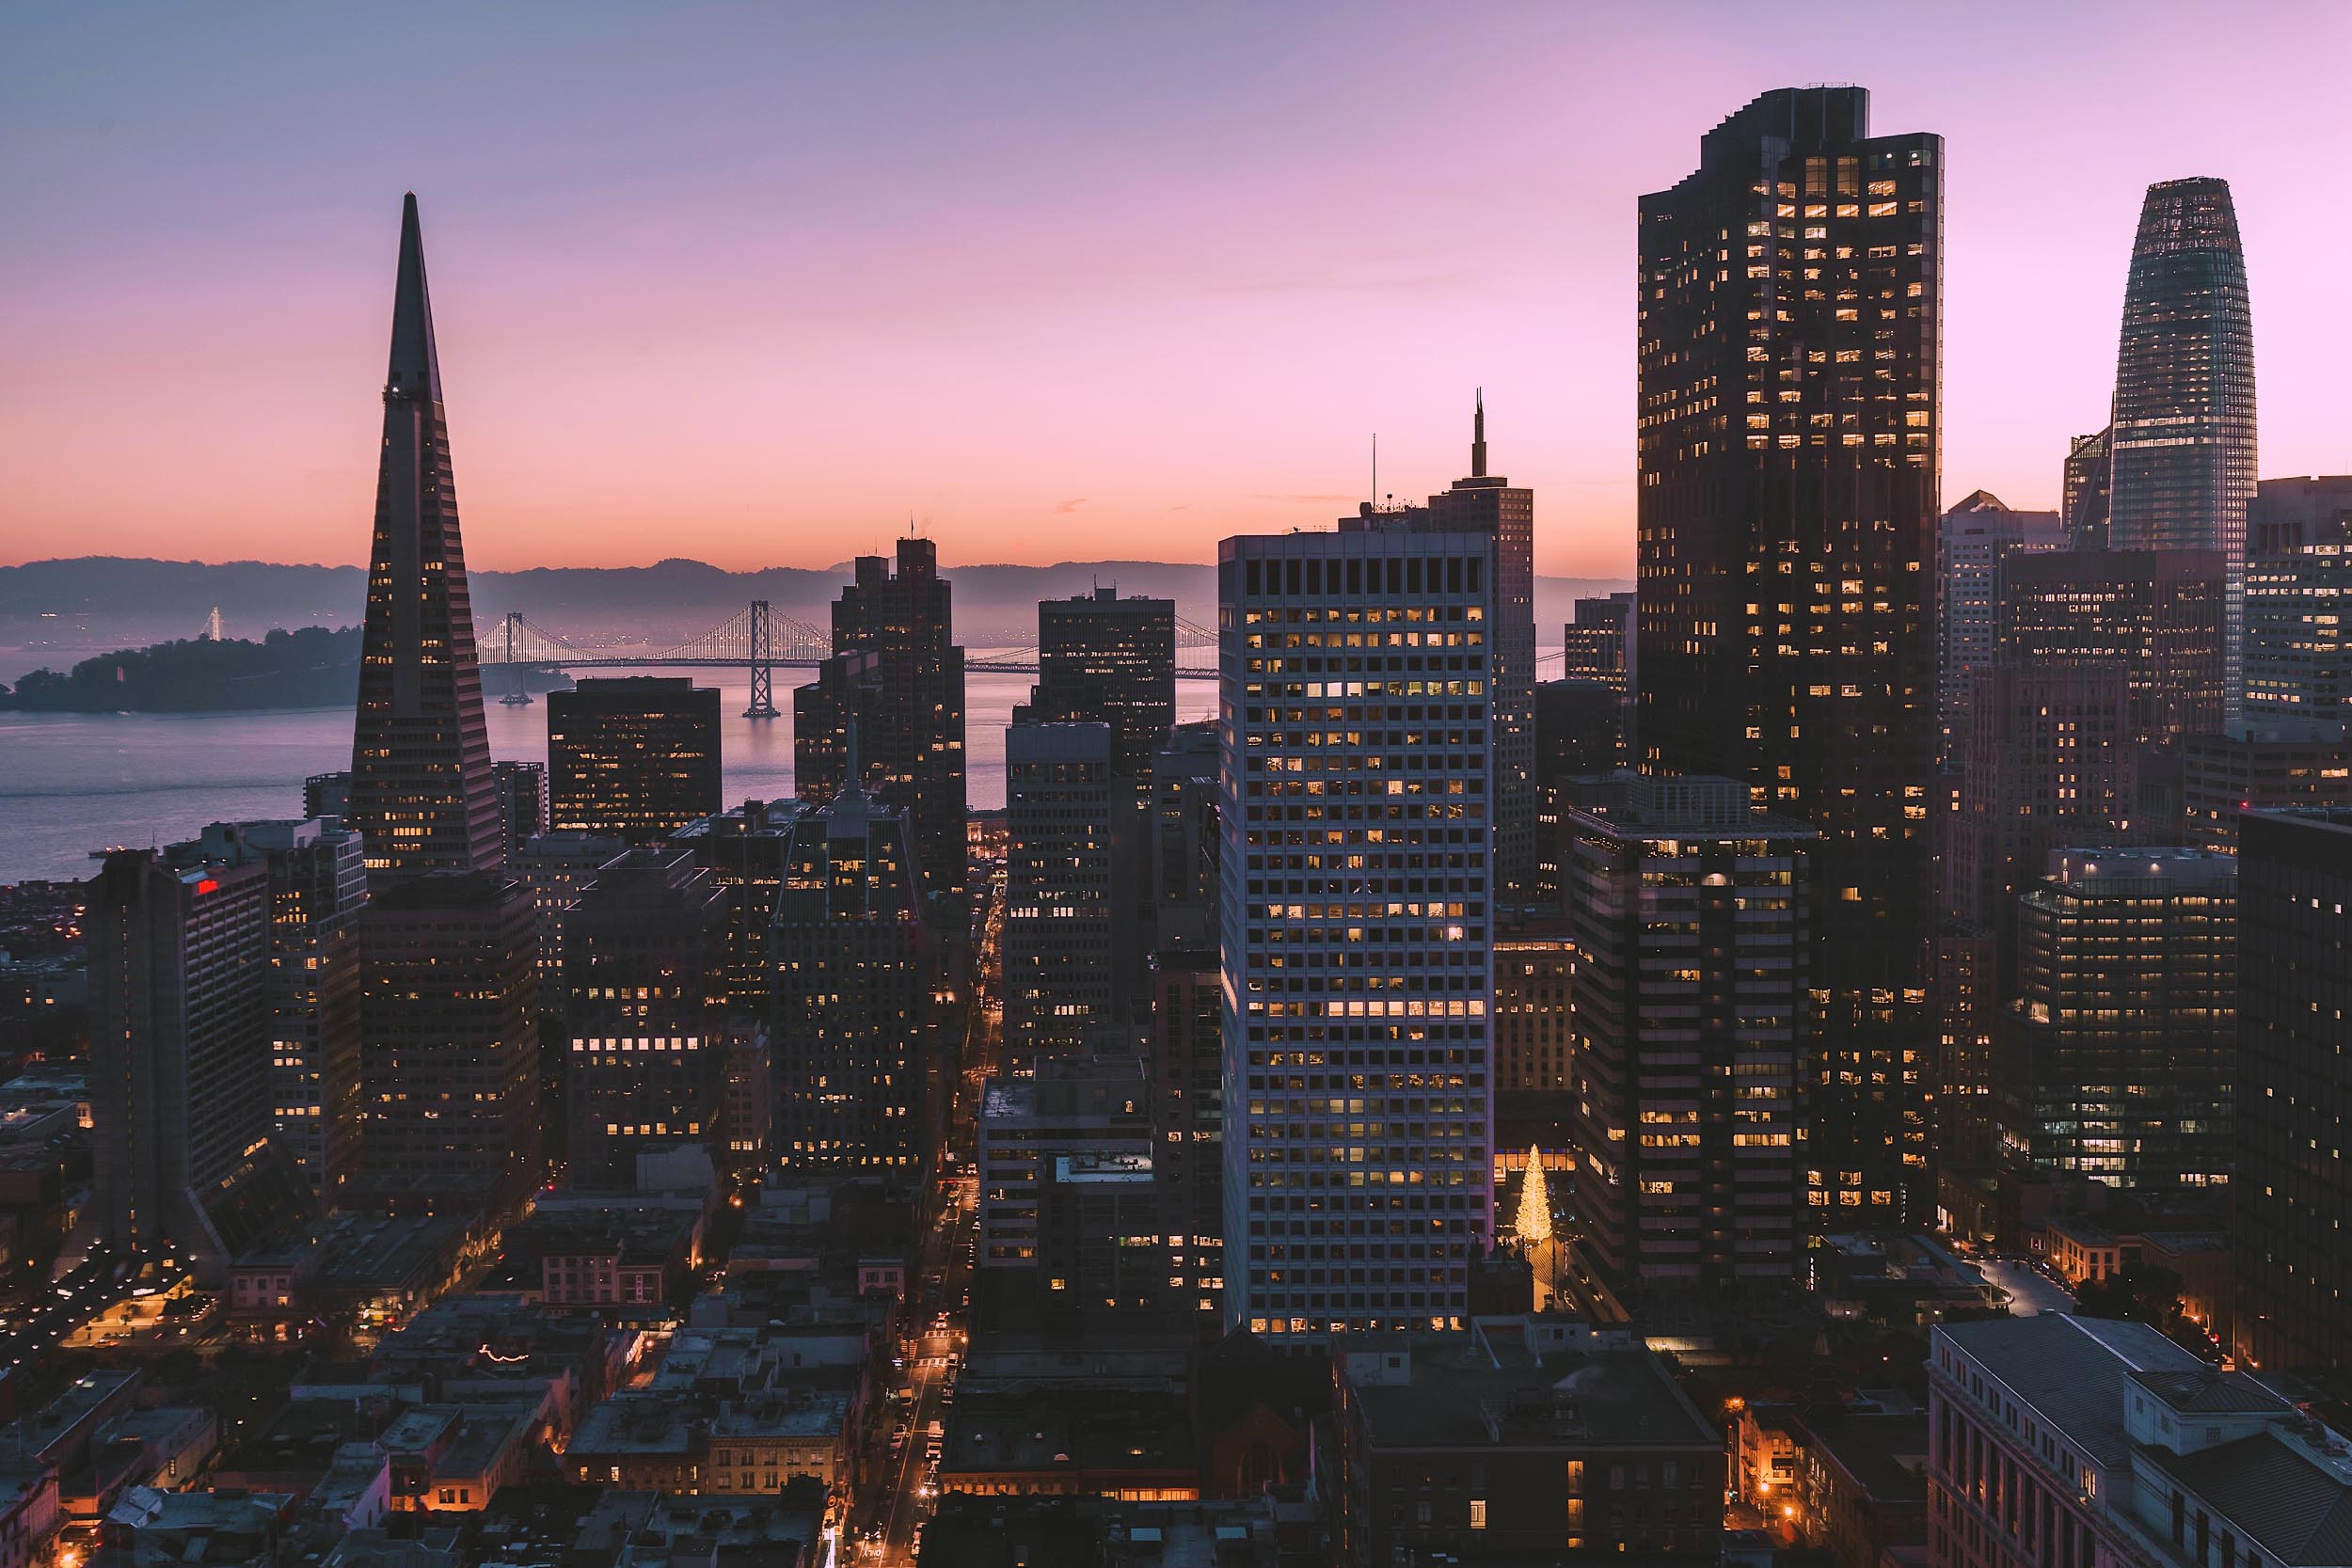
(313, 667)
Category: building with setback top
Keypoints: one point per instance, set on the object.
(1790, 355)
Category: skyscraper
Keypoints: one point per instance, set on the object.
(522, 791)
(2291, 1188)
(422, 794)
(2183, 432)
(897, 676)
(2083, 491)
(2299, 605)
(1690, 912)
(2183, 437)
(2160, 616)
(2114, 1059)
(1970, 544)
(1490, 506)
(1071, 954)
(1358, 699)
(1108, 660)
(848, 1022)
(180, 1057)
(746, 850)
(645, 1012)
(636, 757)
(449, 989)
(1790, 345)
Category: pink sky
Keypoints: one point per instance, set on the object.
(1062, 282)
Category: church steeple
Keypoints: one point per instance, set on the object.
(1478, 437)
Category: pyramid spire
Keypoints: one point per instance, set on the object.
(416, 368)
(1478, 437)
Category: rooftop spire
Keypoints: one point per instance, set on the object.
(416, 369)
(1478, 437)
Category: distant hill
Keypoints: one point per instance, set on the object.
(310, 668)
(97, 602)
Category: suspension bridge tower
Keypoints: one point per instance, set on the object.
(517, 696)
(763, 664)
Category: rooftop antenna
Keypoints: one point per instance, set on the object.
(1375, 468)
(1478, 437)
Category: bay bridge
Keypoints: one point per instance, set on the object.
(754, 639)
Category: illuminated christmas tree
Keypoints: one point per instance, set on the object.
(1535, 1218)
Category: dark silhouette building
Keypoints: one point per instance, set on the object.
(849, 1021)
(2292, 1190)
(1108, 660)
(2299, 605)
(1791, 345)
(897, 676)
(2082, 494)
(422, 794)
(636, 757)
(1189, 1127)
(522, 791)
(1971, 541)
(644, 1012)
(1071, 961)
(2161, 616)
(746, 850)
(449, 989)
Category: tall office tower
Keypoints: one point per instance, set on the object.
(898, 675)
(555, 870)
(1600, 643)
(1534, 1037)
(318, 887)
(1689, 910)
(2258, 768)
(2053, 757)
(2084, 490)
(449, 1074)
(2113, 1060)
(1070, 946)
(2160, 614)
(1791, 342)
(2293, 1092)
(636, 757)
(1188, 1124)
(1964, 1139)
(522, 790)
(1182, 840)
(644, 955)
(1970, 544)
(1108, 660)
(326, 795)
(1357, 903)
(2183, 432)
(2183, 463)
(1580, 729)
(422, 794)
(745, 849)
(848, 1015)
(2298, 604)
(1489, 506)
(180, 1057)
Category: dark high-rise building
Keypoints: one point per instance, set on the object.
(2082, 490)
(644, 1012)
(1689, 911)
(449, 1072)
(2113, 1061)
(2293, 1089)
(1600, 643)
(1489, 505)
(636, 757)
(1071, 957)
(1790, 351)
(2184, 430)
(1965, 1136)
(746, 850)
(1108, 660)
(523, 789)
(555, 870)
(1971, 541)
(1355, 967)
(2159, 615)
(1188, 1124)
(180, 1050)
(2299, 605)
(897, 676)
(2252, 768)
(449, 989)
(326, 795)
(1182, 840)
(848, 1024)
(422, 794)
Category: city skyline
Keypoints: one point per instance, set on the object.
(782, 347)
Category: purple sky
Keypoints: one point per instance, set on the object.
(754, 283)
